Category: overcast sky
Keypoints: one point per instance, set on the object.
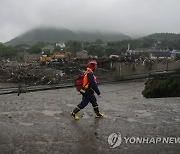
(131, 17)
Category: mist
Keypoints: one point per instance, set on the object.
(130, 17)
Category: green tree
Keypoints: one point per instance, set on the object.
(37, 48)
(99, 41)
(57, 48)
(95, 50)
(7, 51)
(73, 46)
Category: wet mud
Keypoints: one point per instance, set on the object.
(40, 122)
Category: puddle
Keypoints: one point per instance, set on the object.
(50, 113)
(131, 120)
(107, 116)
(12, 113)
(177, 120)
(142, 121)
(26, 124)
(58, 118)
(143, 113)
(70, 105)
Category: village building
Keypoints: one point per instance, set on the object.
(134, 54)
(61, 45)
(157, 54)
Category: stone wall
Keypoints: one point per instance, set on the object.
(130, 68)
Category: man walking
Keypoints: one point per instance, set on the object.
(89, 87)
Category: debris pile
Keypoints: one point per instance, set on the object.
(35, 74)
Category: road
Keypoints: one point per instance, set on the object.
(40, 122)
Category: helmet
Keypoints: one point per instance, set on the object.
(92, 64)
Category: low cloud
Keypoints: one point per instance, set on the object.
(131, 17)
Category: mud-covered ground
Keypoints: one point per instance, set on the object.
(40, 122)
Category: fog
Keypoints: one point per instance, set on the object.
(131, 17)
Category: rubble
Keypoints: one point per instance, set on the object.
(32, 75)
(108, 69)
(36, 74)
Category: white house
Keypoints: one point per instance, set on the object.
(61, 45)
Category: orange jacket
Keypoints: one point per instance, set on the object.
(85, 80)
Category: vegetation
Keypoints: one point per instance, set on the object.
(99, 47)
(53, 35)
(73, 46)
(37, 48)
(164, 36)
(10, 52)
(166, 40)
(162, 87)
(159, 41)
(177, 56)
(7, 52)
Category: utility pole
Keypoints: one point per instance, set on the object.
(167, 64)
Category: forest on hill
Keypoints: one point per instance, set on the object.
(98, 46)
(50, 35)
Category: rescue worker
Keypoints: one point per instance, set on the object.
(90, 86)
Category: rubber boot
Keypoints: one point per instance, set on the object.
(97, 113)
(74, 113)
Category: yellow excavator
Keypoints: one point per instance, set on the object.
(61, 56)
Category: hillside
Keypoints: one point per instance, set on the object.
(62, 35)
(163, 36)
(43, 35)
(93, 36)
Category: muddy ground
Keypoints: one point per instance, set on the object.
(39, 122)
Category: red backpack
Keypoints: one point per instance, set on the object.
(79, 82)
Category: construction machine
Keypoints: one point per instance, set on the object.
(58, 56)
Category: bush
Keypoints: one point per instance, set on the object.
(162, 87)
